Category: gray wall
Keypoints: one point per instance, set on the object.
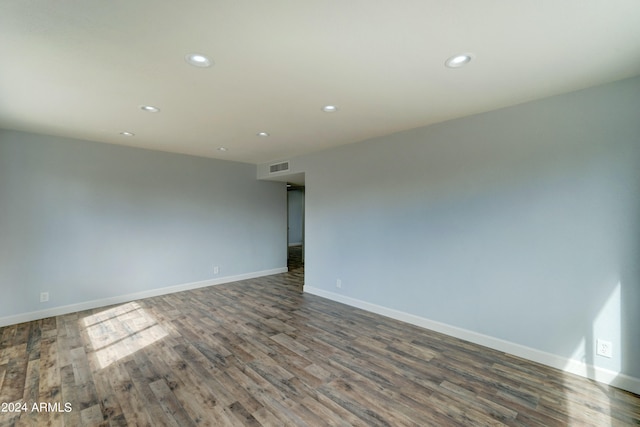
(522, 224)
(87, 221)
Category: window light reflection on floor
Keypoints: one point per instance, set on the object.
(120, 332)
(607, 324)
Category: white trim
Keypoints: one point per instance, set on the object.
(87, 305)
(622, 381)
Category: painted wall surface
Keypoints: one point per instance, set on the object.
(295, 200)
(521, 224)
(86, 221)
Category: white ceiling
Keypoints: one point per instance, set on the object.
(82, 68)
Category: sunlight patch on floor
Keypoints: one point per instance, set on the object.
(120, 332)
(586, 361)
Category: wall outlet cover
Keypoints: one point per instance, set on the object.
(604, 348)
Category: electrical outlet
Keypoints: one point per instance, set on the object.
(338, 283)
(604, 348)
(44, 296)
(216, 270)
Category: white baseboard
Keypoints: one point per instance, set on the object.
(87, 305)
(565, 364)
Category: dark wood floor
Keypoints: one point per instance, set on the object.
(260, 352)
(295, 259)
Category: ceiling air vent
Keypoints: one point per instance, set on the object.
(279, 167)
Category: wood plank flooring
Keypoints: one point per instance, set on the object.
(262, 353)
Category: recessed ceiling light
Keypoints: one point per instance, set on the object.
(458, 61)
(127, 133)
(263, 134)
(198, 60)
(149, 108)
(223, 149)
(329, 108)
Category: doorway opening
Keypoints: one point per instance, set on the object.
(295, 226)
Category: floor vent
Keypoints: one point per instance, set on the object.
(279, 167)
